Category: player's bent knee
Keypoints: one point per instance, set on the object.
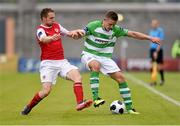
(95, 67)
(120, 79)
(46, 92)
(75, 76)
(77, 79)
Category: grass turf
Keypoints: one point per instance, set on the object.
(58, 108)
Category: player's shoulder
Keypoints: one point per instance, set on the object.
(160, 29)
(95, 23)
(40, 28)
(118, 28)
(56, 24)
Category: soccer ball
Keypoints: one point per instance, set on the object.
(117, 107)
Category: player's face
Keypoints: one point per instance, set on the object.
(50, 19)
(108, 24)
(154, 23)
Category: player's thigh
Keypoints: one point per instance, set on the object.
(48, 74)
(108, 66)
(117, 76)
(66, 68)
(152, 54)
(74, 75)
(90, 61)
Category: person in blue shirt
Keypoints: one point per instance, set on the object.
(156, 51)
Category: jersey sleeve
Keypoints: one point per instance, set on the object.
(90, 27)
(63, 30)
(121, 31)
(87, 29)
(40, 33)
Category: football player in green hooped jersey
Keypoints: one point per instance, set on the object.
(100, 39)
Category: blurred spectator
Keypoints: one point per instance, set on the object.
(156, 51)
(176, 48)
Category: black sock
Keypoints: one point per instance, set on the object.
(162, 75)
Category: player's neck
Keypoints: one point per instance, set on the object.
(104, 28)
(45, 26)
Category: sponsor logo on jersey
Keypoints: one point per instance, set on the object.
(101, 41)
(56, 30)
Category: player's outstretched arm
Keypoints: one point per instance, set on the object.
(76, 34)
(141, 36)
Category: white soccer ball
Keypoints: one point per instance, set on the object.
(117, 107)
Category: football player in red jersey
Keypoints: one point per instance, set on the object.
(53, 63)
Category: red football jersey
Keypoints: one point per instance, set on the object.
(54, 49)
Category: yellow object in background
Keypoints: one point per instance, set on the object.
(120, 17)
(154, 72)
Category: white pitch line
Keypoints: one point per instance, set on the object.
(142, 83)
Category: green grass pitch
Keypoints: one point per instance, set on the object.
(58, 108)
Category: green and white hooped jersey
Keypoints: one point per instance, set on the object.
(100, 42)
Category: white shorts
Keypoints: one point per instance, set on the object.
(107, 64)
(51, 69)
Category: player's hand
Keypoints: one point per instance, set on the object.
(80, 32)
(156, 40)
(76, 34)
(56, 37)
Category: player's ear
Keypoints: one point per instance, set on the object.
(43, 19)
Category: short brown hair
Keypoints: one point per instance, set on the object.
(45, 12)
(112, 15)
